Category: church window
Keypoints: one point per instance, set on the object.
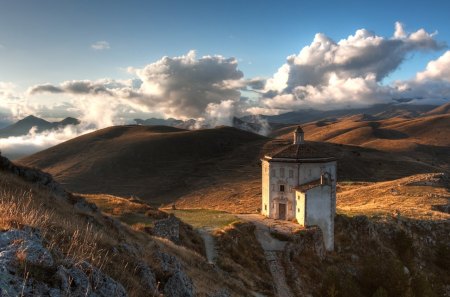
(282, 172)
(291, 173)
(281, 188)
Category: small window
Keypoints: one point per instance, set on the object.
(273, 172)
(298, 209)
(272, 187)
(282, 172)
(281, 188)
(291, 173)
(265, 206)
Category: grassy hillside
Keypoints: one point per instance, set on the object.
(154, 163)
(73, 229)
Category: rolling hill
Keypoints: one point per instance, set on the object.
(156, 163)
(380, 111)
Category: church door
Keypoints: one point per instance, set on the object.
(282, 211)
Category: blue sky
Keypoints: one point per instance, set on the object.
(50, 41)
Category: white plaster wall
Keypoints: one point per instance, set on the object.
(265, 206)
(312, 171)
(319, 212)
(300, 209)
(275, 180)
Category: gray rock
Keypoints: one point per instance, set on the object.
(147, 277)
(168, 264)
(168, 228)
(179, 285)
(26, 246)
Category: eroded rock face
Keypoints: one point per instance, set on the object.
(27, 268)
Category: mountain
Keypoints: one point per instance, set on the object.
(23, 126)
(160, 122)
(380, 111)
(443, 109)
(119, 160)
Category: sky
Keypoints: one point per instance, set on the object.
(108, 62)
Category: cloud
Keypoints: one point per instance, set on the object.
(100, 45)
(438, 70)
(432, 84)
(349, 72)
(181, 87)
(15, 147)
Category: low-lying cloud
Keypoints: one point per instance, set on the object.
(19, 146)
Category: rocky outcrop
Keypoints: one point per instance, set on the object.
(179, 285)
(33, 175)
(27, 268)
(167, 228)
(176, 282)
(147, 277)
(45, 180)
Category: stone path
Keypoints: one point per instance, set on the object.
(210, 246)
(271, 247)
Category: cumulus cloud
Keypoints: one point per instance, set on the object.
(432, 84)
(100, 45)
(348, 72)
(181, 87)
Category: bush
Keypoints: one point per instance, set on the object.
(339, 284)
(404, 246)
(421, 287)
(442, 256)
(385, 272)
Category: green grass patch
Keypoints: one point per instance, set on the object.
(204, 218)
(136, 218)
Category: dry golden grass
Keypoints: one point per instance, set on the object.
(413, 197)
(25, 205)
(130, 211)
(93, 237)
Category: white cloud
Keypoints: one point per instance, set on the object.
(328, 74)
(34, 142)
(181, 87)
(436, 70)
(100, 45)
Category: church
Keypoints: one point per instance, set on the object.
(299, 183)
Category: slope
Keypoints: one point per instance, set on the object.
(156, 163)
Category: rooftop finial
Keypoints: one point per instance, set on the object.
(299, 135)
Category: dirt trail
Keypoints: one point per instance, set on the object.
(272, 247)
(210, 246)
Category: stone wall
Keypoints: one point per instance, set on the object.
(168, 228)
